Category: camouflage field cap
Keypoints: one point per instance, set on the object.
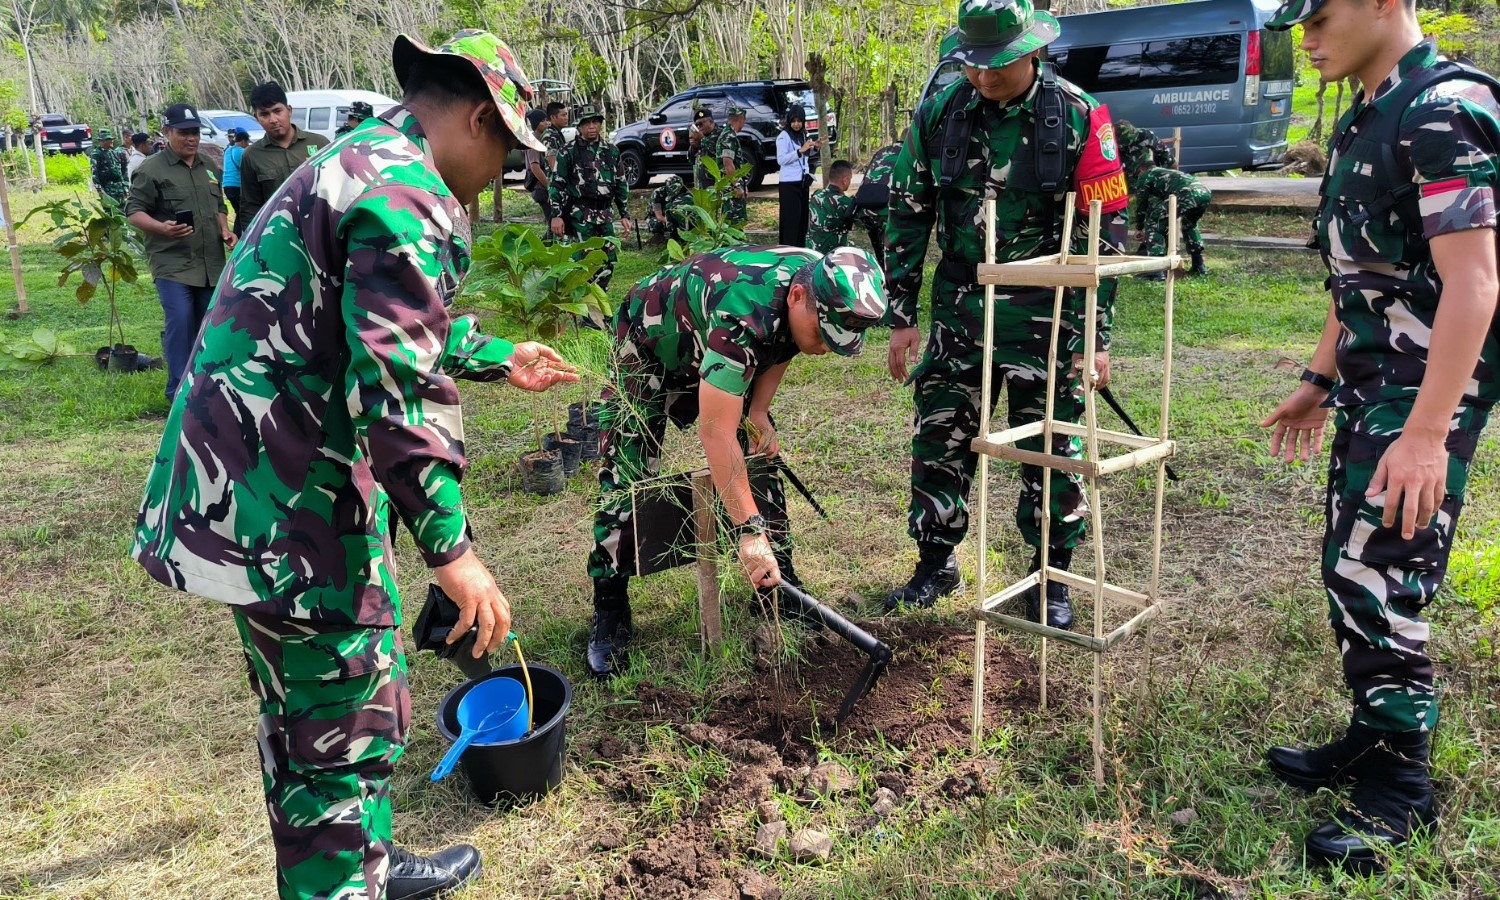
(995, 33)
(106, 135)
(588, 111)
(849, 288)
(495, 64)
(1292, 12)
(736, 110)
(361, 110)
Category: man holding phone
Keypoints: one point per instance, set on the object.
(176, 201)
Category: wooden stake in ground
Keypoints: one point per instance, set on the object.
(10, 241)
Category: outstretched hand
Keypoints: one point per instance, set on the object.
(537, 367)
(1299, 421)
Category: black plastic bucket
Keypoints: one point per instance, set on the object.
(516, 771)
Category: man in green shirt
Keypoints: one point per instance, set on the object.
(177, 202)
(321, 408)
(831, 211)
(709, 339)
(271, 159)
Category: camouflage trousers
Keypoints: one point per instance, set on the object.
(948, 388)
(1378, 583)
(1192, 203)
(334, 709)
(735, 210)
(637, 405)
(583, 231)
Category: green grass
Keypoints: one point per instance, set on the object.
(127, 766)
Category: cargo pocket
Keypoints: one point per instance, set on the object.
(1426, 551)
(346, 701)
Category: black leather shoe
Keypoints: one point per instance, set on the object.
(936, 576)
(1332, 765)
(1198, 267)
(608, 637)
(414, 877)
(1385, 810)
(1059, 606)
(1151, 276)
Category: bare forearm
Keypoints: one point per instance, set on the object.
(726, 464)
(1458, 336)
(765, 387)
(1325, 357)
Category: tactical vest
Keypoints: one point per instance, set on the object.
(1369, 201)
(1050, 163)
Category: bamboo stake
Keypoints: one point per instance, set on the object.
(1147, 634)
(10, 241)
(985, 392)
(1090, 335)
(710, 614)
(1048, 426)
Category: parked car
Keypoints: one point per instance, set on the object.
(218, 122)
(659, 145)
(61, 136)
(324, 111)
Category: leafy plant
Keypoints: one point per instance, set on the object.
(42, 348)
(710, 228)
(537, 288)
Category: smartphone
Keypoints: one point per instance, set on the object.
(183, 217)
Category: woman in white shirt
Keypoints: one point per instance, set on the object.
(792, 149)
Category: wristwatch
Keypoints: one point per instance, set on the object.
(1318, 379)
(754, 525)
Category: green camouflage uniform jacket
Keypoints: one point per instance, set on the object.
(1138, 144)
(726, 142)
(586, 182)
(1385, 285)
(109, 173)
(670, 198)
(882, 167)
(1028, 220)
(831, 215)
(719, 317)
(552, 136)
(321, 401)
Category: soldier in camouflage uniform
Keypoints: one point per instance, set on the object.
(586, 182)
(732, 153)
(321, 404)
(711, 338)
(831, 211)
(877, 183)
(701, 140)
(997, 41)
(1151, 187)
(1137, 144)
(358, 112)
(1408, 363)
(108, 165)
(667, 206)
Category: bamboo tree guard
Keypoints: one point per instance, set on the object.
(1063, 270)
(10, 242)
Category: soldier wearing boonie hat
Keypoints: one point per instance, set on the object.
(321, 408)
(1016, 105)
(108, 166)
(1407, 227)
(709, 339)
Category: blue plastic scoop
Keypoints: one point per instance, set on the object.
(492, 712)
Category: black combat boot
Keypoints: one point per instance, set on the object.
(936, 576)
(1332, 765)
(414, 877)
(1198, 267)
(1391, 801)
(1059, 605)
(610, 632)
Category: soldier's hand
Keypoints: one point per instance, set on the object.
(1101, 369)
(903, 351)
(769, 443)
(1413, 475)
(536, 367)
(1299, 421)
(625, 226)
(758, 561)
(473, 588)
(558, 228)
(229, 239)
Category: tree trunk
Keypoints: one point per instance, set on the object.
(817, 76)
(1317, 130)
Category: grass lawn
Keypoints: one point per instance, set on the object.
(127, 760)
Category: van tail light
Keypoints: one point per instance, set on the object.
(1252, 68)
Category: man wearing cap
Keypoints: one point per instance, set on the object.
(359, 110)
(732, 153)
(269, 161)
(668, 206)
(585, 184)
(176, 201)
(1408, 363)
(108, 166)
(709, 339)
(1012, 104)
(322, 407)
(701, 139)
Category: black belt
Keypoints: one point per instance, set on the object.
(958, 272)
(596, 202)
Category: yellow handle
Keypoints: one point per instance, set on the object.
(526, 677)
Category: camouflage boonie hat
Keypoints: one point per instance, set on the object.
(588, 111)
(736, 110)
(360, 110)
(1292, 12)
(995, 33)
(106, 135)
(496, 65)
(849, 288)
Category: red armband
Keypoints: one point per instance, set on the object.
(1099, 175)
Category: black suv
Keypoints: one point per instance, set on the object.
(660, 143)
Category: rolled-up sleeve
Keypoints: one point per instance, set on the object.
(402, 402)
